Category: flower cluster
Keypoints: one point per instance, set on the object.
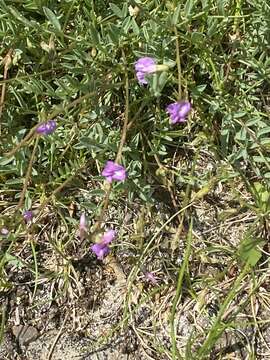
(178, 112)
(145, 66)
(100, 249)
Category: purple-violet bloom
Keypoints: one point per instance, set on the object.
(144, 66)
(113, 171)
(178, 111)
(4, 231)
(151, 277)
(28, 216)
(82, 226)
(46, 128)
(102, 249)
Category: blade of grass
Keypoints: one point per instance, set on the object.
(177, 298)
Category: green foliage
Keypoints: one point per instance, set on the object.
(70, 62)
(249, 252)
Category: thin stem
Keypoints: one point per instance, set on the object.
(28, 174)
(124, 130)
(60, 332)
(178, 62)
(179, 292)
(6, 61)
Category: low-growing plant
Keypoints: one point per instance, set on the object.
(106, 105)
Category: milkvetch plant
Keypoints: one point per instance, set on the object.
(110, 74)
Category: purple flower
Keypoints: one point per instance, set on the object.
(102, 249)
(4, 231)
(82, 226)
(151, 277)
(28, 216)
(46, 128)
(144, 66)
(113, 171)
(178, 111)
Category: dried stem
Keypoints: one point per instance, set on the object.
(6, 61)
(28, 174)
(60, 332)
(124, 130)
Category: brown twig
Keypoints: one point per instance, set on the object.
(124, 130)
(6, 62)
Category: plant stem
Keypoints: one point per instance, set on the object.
(178, 62)
(28, 175)
(179, 292)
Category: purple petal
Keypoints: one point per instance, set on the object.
(46, 128)
(184, 109)
(83, 223)
(151, 277)
(4, 231)
(141, 77)
(108, 237)
(28, 216)
(178, 111)
(108, 169)
(113, 171)
(82, 226)
(100, 250)
(120, 175)
(143, 66)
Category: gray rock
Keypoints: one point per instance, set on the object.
(25, 334)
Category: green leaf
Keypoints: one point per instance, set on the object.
(249, 251)
(19, 17)
(52, 18)
(189, 7)
(94, 35)
(197, 38)
(5, 161)
(14, 261)
(135, 27)
(116, 10)
(176, 14)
